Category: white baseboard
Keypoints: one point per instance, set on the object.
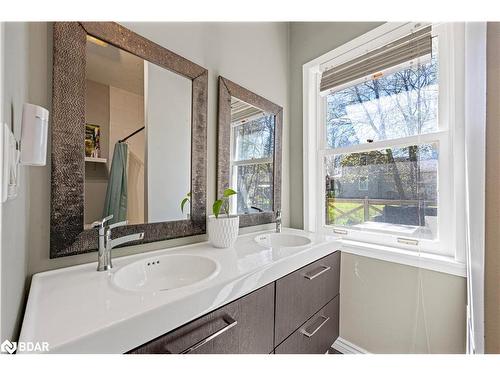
(347, 347)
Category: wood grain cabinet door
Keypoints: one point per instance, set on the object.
(302, 293)
(243, 326)
(317, 335)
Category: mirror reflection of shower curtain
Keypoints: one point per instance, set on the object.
(116, 193)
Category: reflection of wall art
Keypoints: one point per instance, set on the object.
(92, 141)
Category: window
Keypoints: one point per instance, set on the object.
(252, 160)
(394, 106)
(397, 105)
(363, 183)
(378, 162)
(401, 191)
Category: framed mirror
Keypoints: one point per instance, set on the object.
(129, 137)
(249, 153)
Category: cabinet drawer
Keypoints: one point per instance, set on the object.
(303, 292)
(317, 335)
(243, 326)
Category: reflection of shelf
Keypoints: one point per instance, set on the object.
(95, 160)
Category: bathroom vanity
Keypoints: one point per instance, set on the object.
(298, 313)
(270, 293)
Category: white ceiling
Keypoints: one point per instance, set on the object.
(112, 66)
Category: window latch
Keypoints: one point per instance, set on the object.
(340, 231)
(408, 241)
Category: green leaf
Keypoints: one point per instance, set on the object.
(188, 195)
(183, 203)
(216, 207)
(229, 192)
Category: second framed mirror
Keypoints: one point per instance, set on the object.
(249, 153)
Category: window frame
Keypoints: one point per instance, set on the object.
(450, 128)
(364, 180)
(233, 164)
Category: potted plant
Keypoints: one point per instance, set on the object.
(221, 226)
(222, 230)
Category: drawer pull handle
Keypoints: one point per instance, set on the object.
(230, 324)
(312, 277)
(306, 333)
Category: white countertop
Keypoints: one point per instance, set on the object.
(79, 310)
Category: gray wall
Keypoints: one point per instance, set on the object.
(26, 79)
(14, 213)
(492, 253)
(389, 308)
(236, 51)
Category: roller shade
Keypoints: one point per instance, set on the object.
(415, 45)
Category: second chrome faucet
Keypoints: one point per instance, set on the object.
(106, 244)
(278, 221)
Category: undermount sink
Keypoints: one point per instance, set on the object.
(278, 240)
(165, 273)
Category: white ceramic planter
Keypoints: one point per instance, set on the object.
(223, 231)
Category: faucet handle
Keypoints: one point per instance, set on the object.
(102, 223)
(278, 214)
(119, 224)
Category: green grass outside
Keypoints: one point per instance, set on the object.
(356, 217)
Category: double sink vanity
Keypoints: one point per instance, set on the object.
(129, 144)
(269, 293)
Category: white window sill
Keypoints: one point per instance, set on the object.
(407, 257)
(395, 229)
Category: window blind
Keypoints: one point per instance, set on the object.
(412, 46)
(241, 111)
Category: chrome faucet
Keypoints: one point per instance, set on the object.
(106, 243)
(278, 221)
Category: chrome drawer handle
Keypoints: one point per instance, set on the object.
(312, 277)
(306, 333)
(230, 324)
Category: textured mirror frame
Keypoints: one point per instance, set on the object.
(67, 234)
(228, 89)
